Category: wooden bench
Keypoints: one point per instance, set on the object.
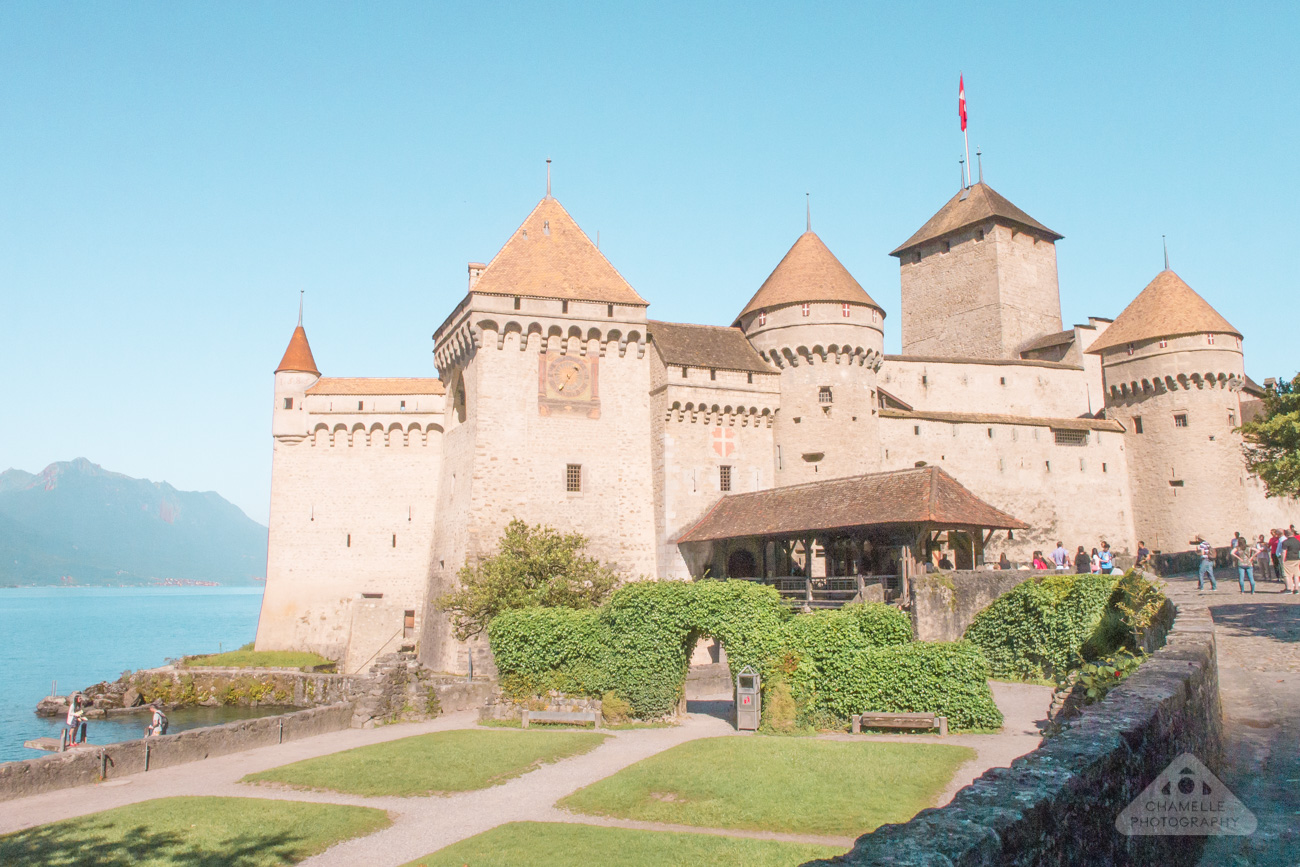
(900, 721)
(561, 716)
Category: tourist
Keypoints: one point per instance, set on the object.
(1003, 562)
(1206, 550)
(1094, 563)
(944, 562)
(1143, 556)
(1275, 539)
(1060, 557)
(1289, 550)
(1107, 560)
(1040, 562)
(76, 721)
(1262, 559)
(1082, 563)
(157, 723)
(1243, 554)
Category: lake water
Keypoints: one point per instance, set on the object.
(82, 635)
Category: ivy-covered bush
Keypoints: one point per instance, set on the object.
(830, 664)
(1048, 625)
(945, 678)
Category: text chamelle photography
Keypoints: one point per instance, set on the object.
(648, 434)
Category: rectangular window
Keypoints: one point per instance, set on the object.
(713, 373)
(724, 478)
(564, 306)
(361, 404)
(394, 540)
(610, 311)
(573, 478)
(844, 309)
(1176, 483)
(916, 430)
(1103, 468)
(1048, 464)
(684, 369)
(751, 379)
(824, 394)
(1004, 380)
(1070, 437)
(1137, 424)
(408, 619)
(1232, 417)
(402, 405)
(288, 403)
(349, 540)
(779, 465)
(806, 308)
(990, 433)
(516, 302)
(1180, 419)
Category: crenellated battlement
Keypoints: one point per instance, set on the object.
(792, 356)
(564, 336)
(720, 415)
(1139, 389)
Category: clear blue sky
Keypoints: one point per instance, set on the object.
(173, 174)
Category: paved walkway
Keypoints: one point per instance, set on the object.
(1257, 640)
(425, 824)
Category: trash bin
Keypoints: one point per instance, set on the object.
(748, 700)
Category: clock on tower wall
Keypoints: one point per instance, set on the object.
(567, 385)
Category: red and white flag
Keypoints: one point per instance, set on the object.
(961, 101)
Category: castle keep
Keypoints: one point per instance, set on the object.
(677, 448)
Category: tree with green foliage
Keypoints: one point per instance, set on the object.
(534, 566)
(1272, 446)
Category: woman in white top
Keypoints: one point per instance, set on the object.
(76, 720)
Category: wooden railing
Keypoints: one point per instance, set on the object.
(819, 593)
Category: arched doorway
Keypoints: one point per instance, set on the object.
(741, 564)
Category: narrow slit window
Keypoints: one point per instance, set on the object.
(713, 373)
(609, 311)
(573, 478)
(684, 369)
(517, 302)
(564, 306)
(1137, 424)
(394, 540)
(361, 404)
(349, 540)
(751, 379)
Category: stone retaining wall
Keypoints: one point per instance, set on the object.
(81, 766)
(945, 603)
(1058, 804)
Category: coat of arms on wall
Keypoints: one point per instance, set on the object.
(724, 441)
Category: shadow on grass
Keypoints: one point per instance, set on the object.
(64, 844)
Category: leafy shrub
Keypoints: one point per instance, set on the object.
(1040, 628)
(614, 709)
(949, 679)
(1100, 677)
(780, 712)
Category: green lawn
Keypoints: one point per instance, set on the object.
(192, 832)
(795, 785)
(261, 659)
(545, 844)
(455, 761)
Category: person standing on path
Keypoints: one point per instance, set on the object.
(1243, 554)
(1143, 555)
(1060, 557)
(1263, 560)
(76, 721)
(1107, 560)
(1082, 563)
(1274, 559)
(1289, 551)
(1095, 563)
(1206, 550)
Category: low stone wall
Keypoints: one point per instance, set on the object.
(501, 708)
(400, 689)
(945, 603)
(82, 766)
(1182, 562)
(1058, 804)
(708, 681)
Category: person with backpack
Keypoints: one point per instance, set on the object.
(157, 723)
(1206, 551)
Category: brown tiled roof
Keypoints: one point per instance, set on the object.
(996, 362)
(1253, 387)
(1102, 424)
(1166, 308)
(1049, 340)
(926, 495)
(809, 272)
(550, 257)
(376, 385)
(886, 398)
(706, 346)
(975, 205)
(298, 355)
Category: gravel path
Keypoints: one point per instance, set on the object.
(424, 824)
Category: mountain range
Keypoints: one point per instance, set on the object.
(75, 523)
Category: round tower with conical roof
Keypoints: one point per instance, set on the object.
(1173, 373)
(295, 374)
(825, 334)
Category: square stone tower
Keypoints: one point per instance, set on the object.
(978, 279)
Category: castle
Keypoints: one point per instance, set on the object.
(559, 402)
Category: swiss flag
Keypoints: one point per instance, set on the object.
(961, 101)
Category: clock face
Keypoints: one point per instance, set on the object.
(567, 386)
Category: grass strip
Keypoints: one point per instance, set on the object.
(192, 832)
(792, 785)
(259, 659)
(557, 844)
(438, 763)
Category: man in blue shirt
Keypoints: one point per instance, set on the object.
(1060, 557)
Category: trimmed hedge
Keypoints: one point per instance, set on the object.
(837, 663)
(946, 678)
(1048, 625)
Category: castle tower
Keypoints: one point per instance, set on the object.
(1173, 374)
(548, 413)
(296, 373)
(816, 324)
(979, 279)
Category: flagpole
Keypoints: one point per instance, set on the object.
(965, 135)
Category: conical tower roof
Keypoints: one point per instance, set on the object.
(549, 256)
(972, 205)
(1166, 308)
(298, 355)
(809, 272)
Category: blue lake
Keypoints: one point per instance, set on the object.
(82, 635)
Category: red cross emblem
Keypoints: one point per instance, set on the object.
(724, 441)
